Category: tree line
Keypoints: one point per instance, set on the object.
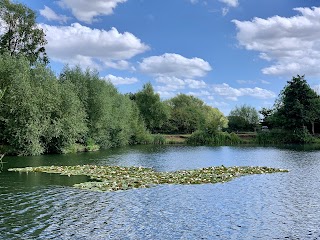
(41, 112)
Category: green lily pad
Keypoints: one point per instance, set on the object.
(114, 178)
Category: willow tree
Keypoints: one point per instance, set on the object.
(19, 32)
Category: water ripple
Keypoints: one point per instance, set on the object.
(273, 206)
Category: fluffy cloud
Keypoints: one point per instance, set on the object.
(174, 84)
(292, 45)
(86, 11)
(77, 44)
(120, 80)
(49, 14)
(230, 93)
(175, 65)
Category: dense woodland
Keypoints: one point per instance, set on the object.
(44, 112)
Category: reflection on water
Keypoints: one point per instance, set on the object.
(272, 206)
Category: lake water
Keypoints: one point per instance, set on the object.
(271, 206)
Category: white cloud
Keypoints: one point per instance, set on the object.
(49, 14)
(231, 93)
(86, 11)
(120, 80)
(201, 93)
(195, 84)
(292, 45)
(165, 94)
(77, 44)
(174, 84)
(230, 3)
(175, 65)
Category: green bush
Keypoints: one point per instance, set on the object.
(280, 136)
(159, 139)
(217, 138)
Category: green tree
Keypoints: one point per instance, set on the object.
(21, 34)
(187, 114)
(214, 120)
(154, 112)
(298, 105)
(112, 118)
(266, 113)
(243, 118)
(38, 114)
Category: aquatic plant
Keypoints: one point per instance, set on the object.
(113, 178)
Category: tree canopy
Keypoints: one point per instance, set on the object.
(20, 32)
(243, 118)
(298, 105)
(152, 110)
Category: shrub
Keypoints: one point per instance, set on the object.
(217, 138)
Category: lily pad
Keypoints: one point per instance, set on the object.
(114, 178)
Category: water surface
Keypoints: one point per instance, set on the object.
(271, 206)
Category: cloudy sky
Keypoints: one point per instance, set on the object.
(226, 52)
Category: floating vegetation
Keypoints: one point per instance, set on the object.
(114, 178)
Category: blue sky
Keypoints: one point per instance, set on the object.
(226, 52)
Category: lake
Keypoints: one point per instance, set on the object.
(270, 206)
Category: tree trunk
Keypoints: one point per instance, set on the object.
(312, 123)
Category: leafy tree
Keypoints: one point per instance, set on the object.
(21, 34)
(153, 111)
(38, 114)
(112, 119)
(298, 105)
(243, 118)
(214, 120)
(266, 113)
(187, 113)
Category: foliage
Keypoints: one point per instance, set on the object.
(153, 111)
(267, 114)
(217, 138)
(114, 178)
(38, 114)
(112, 119)
(214, 120)
(159, 139)
(243, 118)
(297, 106)
(281, 136)
(188, 114)
(21, 34)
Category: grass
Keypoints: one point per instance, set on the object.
(114, 178)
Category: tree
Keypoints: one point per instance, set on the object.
(298, 105)
(21, 34)
(266, 113)
(243, 118)
(154, 112)
(187, 113)
(38, 114)
(214, 120)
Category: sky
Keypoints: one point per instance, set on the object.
(226, 52)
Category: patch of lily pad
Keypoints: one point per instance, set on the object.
(114, 178)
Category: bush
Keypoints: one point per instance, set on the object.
(280, 136)
(159, 139)
(217, 138)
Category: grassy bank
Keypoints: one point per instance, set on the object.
(113, 178)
